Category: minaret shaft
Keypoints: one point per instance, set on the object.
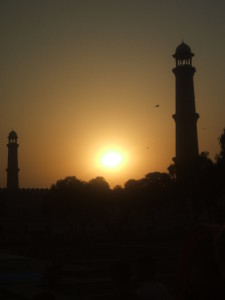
(12, 169)
(185, 117)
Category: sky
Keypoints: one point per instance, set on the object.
(78, 78)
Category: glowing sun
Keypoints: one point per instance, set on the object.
(112, 159)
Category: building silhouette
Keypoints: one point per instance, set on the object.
(12, 170)
(185, 117)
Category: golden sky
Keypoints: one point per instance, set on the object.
(81, 77)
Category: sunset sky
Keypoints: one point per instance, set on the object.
(79, 78)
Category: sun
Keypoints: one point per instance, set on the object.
(112, 159)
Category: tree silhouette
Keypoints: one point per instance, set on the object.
(69, 183)
(220, 165)
(66, 202)
(172, 170)
(158, 180)
(220, 158)
(99, 184)
(131, 185)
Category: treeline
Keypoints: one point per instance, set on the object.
(204, 187)
(73, 210)
(73, 196)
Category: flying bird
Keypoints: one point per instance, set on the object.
(157, 105)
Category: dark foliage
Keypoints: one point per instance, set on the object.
(76, 209)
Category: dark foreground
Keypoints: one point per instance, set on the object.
(81, 271)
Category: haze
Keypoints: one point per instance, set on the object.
(78, 77)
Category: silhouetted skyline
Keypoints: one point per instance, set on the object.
(79, 78)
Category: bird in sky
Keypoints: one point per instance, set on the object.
(157, 105)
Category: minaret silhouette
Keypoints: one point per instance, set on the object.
(185, 116)
(12, 170)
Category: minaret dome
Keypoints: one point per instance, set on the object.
(12, 137)
(183, 55)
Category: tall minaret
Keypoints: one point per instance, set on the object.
(12, 170)
(185, 116)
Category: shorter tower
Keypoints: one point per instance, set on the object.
(12, 170)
